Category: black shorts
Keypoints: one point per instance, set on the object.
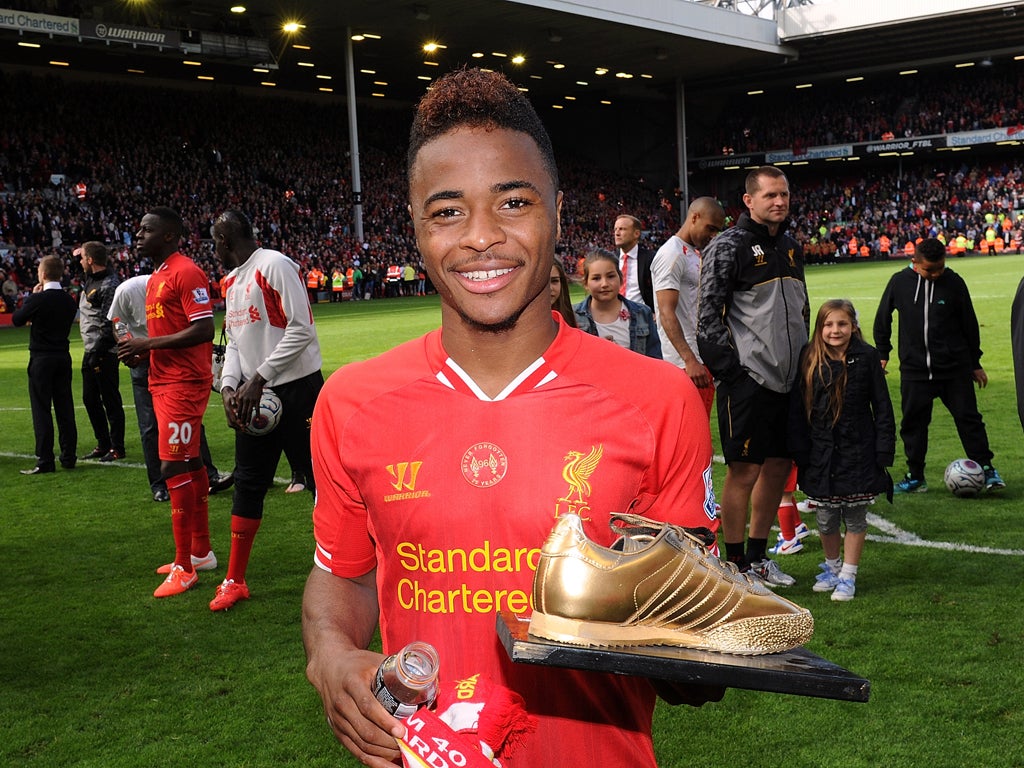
(752, 422)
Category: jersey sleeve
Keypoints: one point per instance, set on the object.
(287, 304)
(714, 341)
(194, 293)
(340, 522)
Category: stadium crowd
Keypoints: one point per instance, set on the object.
(73, 168)
(925, 104)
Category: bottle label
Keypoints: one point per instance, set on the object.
(388, 701)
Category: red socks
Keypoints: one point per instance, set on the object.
(789, 519)
(243, 533)
(201, 518)
(183, 505)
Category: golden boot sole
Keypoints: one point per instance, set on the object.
(754, 636)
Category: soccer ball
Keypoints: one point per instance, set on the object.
(965, 478)
(267, 415)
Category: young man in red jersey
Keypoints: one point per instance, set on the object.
(442, 465)
(179, 318)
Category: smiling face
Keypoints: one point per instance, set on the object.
(485, 211)
(836, 331)
(603, 280)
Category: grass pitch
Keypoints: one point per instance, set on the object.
(95, 672)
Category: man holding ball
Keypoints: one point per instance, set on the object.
(272, 343)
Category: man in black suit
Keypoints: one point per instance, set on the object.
(634, 261)
(51, 311)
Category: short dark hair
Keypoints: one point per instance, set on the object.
(238, 222)
(931, 250)
(96, 251)
(753, 181)
(477, 99)
(171, 217)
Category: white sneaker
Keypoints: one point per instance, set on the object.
(827, 580)
(207, 562)
(787, 546)
(806, 506)
(802, 531)
(844, 591)
(769, 572)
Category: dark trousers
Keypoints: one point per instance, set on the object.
(257, 456)
(148, 432)
(958, 396)
(49, 383)
(102, 400)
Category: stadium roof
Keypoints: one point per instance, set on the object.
(605, 50)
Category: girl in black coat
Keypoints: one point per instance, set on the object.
(843, 436)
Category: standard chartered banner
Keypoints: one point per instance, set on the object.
(23, 21)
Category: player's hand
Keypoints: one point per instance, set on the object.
(133, 347)
(698, 373)
(247, 400)
(693, 694)
(230, 407)
(980, 377)
(344, 681)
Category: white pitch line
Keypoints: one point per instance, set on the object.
(896, 535)
(119, 463)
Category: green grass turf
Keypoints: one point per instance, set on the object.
(95, 672)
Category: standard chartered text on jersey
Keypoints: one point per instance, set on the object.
(463, 599)
(482, 559)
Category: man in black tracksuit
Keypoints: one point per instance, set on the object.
(940, 357)
(752, 318)
(100, 392)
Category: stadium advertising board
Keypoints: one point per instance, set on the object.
(23, 21)
(122, 33)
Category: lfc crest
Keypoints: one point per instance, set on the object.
(577, 471)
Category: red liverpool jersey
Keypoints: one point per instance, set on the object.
(450, 495)
(177, 295)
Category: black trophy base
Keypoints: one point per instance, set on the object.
(798, 672)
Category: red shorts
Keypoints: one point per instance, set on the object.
(179, 419)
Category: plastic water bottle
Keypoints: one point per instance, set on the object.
(407, 680)
(121, 331)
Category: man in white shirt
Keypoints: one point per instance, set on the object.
(675, 273)
(272, 343)
(634, 261)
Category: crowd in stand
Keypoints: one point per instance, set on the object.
(74, 167)
(973, 209)
(925, 104)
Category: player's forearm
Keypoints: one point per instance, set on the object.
(675, 335)
(198, 332)
(338, 614)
